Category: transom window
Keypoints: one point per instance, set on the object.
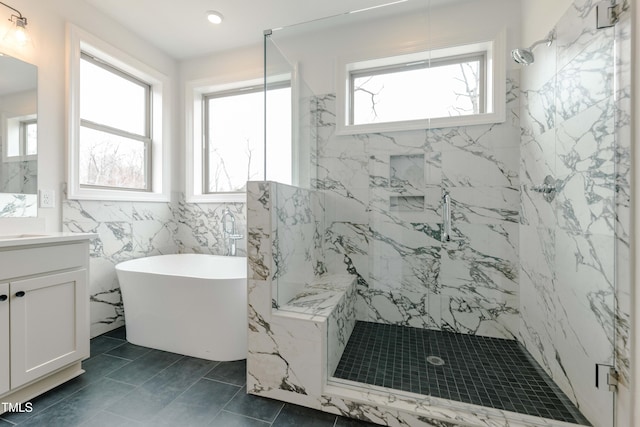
(115, 127)
(445, 87)
(455, 81)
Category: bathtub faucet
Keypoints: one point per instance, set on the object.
(230, 232)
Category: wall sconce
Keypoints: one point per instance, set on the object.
(17, 34)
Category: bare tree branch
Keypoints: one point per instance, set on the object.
(372, 95)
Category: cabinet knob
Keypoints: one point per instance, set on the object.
(3, 298)
(20, 294)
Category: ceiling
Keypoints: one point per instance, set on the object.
(180, 28)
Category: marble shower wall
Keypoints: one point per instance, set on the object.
(383, 214)
(576, 129)
(129, 230)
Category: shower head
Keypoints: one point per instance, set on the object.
(525, 56)
(522, 56)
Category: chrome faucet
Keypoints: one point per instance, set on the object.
(230, 233)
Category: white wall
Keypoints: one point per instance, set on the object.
(46, 23)
(539, 17)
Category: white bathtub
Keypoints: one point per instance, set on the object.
(190, 304)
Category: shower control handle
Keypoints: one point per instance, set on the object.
(548, 188)
(543, 189)
(446, 217)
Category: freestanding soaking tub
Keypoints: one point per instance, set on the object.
(190, 304)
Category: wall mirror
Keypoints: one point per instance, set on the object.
(18, 138)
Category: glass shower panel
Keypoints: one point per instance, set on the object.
(279, 139)
(568, 175)
(297, 212)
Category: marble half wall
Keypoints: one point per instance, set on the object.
(285, 247)
(384, 220)
(128, 230)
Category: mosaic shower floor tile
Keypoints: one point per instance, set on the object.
(491, 372)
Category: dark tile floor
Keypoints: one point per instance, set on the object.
(128, 385)
(484, 371)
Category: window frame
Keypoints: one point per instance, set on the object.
(158, 154)
(195, 90)
(146, 139)
(206, 140)
(205, 124)
(481, 56)
(492, 46)
(20, 126)
(24, 139)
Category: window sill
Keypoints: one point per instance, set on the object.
(435, 123)
(118, 195)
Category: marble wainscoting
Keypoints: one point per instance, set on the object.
(576, 129)
(18, 205)
(384, 221)
(128, 230)
(19, 177)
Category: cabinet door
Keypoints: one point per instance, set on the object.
(49, 327)
(4, 338)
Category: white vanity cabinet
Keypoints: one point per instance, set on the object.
(44, 319)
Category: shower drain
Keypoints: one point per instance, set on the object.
(435, 360)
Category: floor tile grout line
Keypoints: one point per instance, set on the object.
(115, 357)
(223, 382)
(120, 415)
(279, 412)
(243, 415)
(232, 397)
(153, 376)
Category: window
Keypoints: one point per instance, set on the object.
(453, 83)
(419, 90)
(22, 138)
(234, 136)
(29, 136)
(118, 144)
(115, 131)
(230, 118)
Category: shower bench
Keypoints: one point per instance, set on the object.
(329, 301)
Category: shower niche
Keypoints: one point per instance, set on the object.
(406, 179)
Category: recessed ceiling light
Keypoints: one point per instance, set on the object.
(214, 17)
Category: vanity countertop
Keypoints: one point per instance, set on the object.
(47, 238)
